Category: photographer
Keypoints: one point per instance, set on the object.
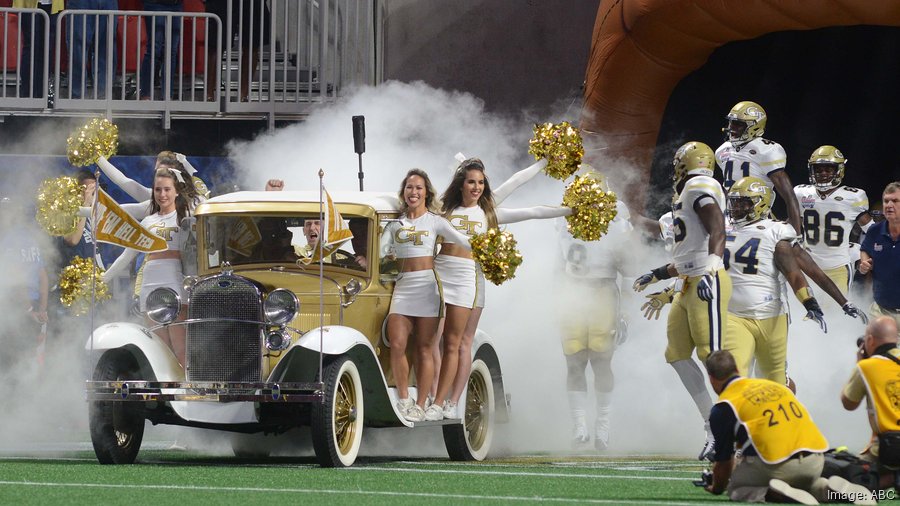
(782, 449)
(877, 367)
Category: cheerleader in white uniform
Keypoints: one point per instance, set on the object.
(469, 205)
(170, 204)
(417, 303)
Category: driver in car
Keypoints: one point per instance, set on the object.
(312, 228)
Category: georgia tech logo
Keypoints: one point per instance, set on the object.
(753, 111)
(163, 231)
(409, 234)
(465, 226)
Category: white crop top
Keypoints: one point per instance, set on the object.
(417, 237)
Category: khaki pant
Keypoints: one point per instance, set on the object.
(750, 479)
(875, 311)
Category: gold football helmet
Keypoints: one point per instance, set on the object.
(749, 200)
(746, 121)
(693, 158)
(826, 168)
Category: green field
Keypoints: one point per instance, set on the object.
(163, 477)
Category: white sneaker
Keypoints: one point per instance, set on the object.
(601, 434)
(450, 410)
(580, 435)
(415, 414)
(709, 447)
(434, 413)
(782, 489)
(404, 405)
(850, 492)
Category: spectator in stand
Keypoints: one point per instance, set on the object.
(33, 26)
(154, 60)
(880, 255)
(85, 33)
(250, 23)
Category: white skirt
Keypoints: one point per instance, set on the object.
(479, 287)
(158, 273)
(458, 279)
(418, 293)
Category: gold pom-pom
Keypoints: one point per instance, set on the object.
(58, 201)
(496, 253)
(561, 145)
(98, 137)
(593, 208)
(75, 286)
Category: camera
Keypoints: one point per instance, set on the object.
(860, 345)
(705, 479)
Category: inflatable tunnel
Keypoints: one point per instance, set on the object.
(641, 49)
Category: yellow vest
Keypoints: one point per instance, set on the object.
(776, 422)
(32, 4)
(884, 375)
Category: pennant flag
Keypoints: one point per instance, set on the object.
(115, 226)
(244, 236)
(334, 235)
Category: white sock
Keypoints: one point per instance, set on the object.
(578, 407)
(604, 401)
(695, 383)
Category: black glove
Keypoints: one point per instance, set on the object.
(644, 281)
(851, 310)
(704, 288)
(814, 312)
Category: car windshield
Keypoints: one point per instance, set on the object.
(253, 239)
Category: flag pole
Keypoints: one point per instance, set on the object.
(321, 246)
(92, 221)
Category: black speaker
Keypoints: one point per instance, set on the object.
(359, 134)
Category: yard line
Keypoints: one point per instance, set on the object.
(344, 492)
(509, 473)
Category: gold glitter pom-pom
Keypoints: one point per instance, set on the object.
(75, 286)
(58, 201)
(496, 253)
(561, 145)
(98, 137)
(593, 208)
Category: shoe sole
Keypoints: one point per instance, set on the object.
(857, 494)
(796, 494)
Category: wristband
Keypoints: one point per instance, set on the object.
(661, 273)
(804, 294)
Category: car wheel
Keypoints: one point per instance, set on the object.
(337, 423)
(471, 440)
(117, 427)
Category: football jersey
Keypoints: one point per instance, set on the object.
(691, 248)
(757, 286)
(600, 259)
(666, 233)
(757, 158)
(828, 220)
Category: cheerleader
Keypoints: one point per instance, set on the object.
(172, 201)
(417, 303)
(470, 206)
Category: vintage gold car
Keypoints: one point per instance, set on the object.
(273, 343)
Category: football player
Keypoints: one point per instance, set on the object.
(746, 153)
(697, 317)
(591, 332)
(758, 252)
(830, 210)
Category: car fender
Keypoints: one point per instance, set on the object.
(150, 351)
(301, 364)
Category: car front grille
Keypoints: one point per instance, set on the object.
(225, 350)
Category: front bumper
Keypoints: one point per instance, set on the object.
(146, 391)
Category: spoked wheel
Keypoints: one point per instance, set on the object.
(471, 440)
(337, 423)
(117, 427)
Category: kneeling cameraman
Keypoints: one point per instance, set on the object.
(875, 377)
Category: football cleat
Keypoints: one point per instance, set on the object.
(580, 435)
(601, 434)
(746, 121)
(826, 168)
(749, 200)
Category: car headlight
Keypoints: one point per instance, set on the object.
(281, 306)
(163, 305)
(277, 340)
